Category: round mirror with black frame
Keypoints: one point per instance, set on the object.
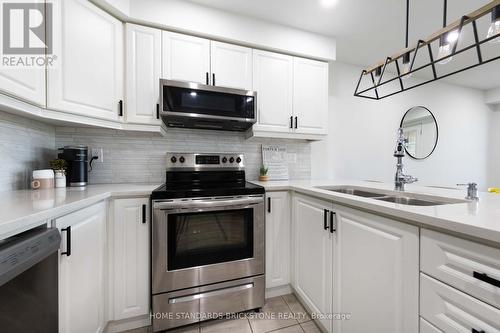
(420, 131)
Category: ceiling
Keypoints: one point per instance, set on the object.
(367, 30)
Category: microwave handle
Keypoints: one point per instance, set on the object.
(207, 203)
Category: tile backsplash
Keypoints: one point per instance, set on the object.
(25, 145)
(139, 157)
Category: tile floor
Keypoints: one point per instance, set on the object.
(282, 314)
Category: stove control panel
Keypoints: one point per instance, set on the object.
(205, 161)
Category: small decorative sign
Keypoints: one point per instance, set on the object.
(275, 159)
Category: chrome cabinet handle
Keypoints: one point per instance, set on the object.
(296, 122)
(269, 204)
(291, 121)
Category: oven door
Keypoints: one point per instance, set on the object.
(202, 241)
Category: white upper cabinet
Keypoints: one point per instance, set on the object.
(273, 81)
(313, 251)
(185, 58)
(310, 96)
(26, 83)
(88, 77)
(278, 236)
(231, 66)
(376, 274)
(130, 256)
(143, 72)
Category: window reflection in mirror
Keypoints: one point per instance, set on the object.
(420, 131)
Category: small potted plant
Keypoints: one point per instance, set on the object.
(59, 167)
(263, 174)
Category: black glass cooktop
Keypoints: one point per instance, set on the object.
(182, 184)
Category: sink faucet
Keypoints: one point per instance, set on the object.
(401, 179)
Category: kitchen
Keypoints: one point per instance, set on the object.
(223, 172)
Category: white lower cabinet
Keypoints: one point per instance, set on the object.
(452, 311)
(81, 270)
(376, 274)
(350, 263)
(278, 227)
(426, 327)
(129, 258)
(313, 251)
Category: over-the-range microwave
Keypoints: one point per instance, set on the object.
(195, 105)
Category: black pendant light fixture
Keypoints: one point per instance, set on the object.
(447, 37)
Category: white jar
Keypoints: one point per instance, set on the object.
(60, 178)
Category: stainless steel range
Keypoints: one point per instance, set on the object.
(208, 237)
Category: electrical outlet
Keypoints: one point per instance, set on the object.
(99, 153)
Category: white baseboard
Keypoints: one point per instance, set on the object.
(278, 291)
(128, 324)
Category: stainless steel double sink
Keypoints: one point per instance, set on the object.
(409, 199)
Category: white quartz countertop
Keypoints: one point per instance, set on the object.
(26, 209)
(476, 219)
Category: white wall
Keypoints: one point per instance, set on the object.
(362, 133)
(187, 17)
(494, 151)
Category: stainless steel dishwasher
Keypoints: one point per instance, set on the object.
(28, 282)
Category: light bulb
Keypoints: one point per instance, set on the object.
(406, 66)
(445, 48)
(494, 29)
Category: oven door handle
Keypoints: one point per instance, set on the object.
(208, 203)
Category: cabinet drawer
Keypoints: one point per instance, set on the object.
(453, 311)
(426, 327)
(471, 267)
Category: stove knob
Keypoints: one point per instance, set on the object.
(182, 159)
(238, 160)
(231, 160)
(173, 159)
(224, 159)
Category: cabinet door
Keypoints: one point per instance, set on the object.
(273, 81)
(130, 277)
(185, 58)
(143, 72)
(231, 65)
(278, 226)
(313, 256)
(26, 83)
(452, 311)
(88, 77)
(310, 96)
(376, 274)
(81, 274)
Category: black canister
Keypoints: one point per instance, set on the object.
(77, 159)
